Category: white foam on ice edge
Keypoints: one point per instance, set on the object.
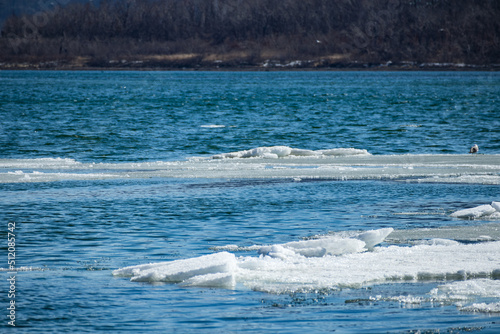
(486, 211)
(274, 152)
(327, 263)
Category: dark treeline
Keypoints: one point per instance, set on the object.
(235, 32)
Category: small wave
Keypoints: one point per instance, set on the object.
(274, 152)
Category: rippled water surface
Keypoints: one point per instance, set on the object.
(102, 171)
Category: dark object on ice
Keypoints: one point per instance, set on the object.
(474, 149)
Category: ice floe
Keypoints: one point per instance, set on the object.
(212, 126)
(39, 163)
(331, 245)
(273, 152)
(486, 211)
(328, 263)
(463, 294)
(482, 308)
(466, 290)
(270, 162)
(214, 270)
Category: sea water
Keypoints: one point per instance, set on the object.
(250, 202)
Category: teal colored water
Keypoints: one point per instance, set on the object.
(135, 116)
(105, 170)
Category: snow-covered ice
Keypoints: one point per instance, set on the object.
(214, 270)
(328, 263)
(331, 245)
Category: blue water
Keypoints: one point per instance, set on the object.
(135, 116)
(74, 233)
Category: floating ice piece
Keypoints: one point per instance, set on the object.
(212, 126)
(374, 237)
(482, 308)
(217, 280)
(290, 271)
(314, 248)
(476, 212)
(343, 152)
(37, 176)
(299, 164)
(463, 290)
(460, 293)
(215, 270)
(462, 179)
(285, 151)
(384, 264)
(496, 206)
(328, 245)
(39, 163)
(279, 251)
(409, 299)
(495, 215)
(272, 151)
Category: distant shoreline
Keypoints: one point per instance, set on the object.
(260, 35)
(265, 67)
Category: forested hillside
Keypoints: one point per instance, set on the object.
(264, 33)
(30, 7)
